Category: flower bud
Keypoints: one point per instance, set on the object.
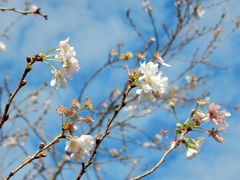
(24, 82)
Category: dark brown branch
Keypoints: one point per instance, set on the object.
(105, 133)
(22, 82)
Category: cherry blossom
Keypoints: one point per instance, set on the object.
(69, 67)
(193, 150)
(58, 78)
(191, 153)
(65, 51)
(217, 116)
(79, 146)
(152, 84)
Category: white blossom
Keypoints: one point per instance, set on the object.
(79, 146)
(69, 67)
(65, 51)
(152, 84)
(67, 54)
(193, 151)
(58, 77)
(3, 47)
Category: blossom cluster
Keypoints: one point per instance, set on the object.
(194, 147)
(72, 114)
(66, 55)
(214, 114)
(77, 146)
(151, 82)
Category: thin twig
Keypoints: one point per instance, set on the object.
(25, 12)
(22, 82)
(106, 131)
(38, 154)
(162, 160)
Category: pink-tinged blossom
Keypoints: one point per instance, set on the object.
(70, 113)
(69, 127)
(216, 136)
(152, 84)
(61, 110)
(88, 119)
(217, 116)
(79, 146)
(193, 150)
(58, 78)
(75, 104)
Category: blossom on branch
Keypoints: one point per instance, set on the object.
(152, 84)
(217, 116)
(69, 67)
(215, 134)
(194, 148)
(58, 78)
(65, 51)
(66, 55)
(79, 146)
(126, 56)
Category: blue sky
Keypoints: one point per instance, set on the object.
(94, 28)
